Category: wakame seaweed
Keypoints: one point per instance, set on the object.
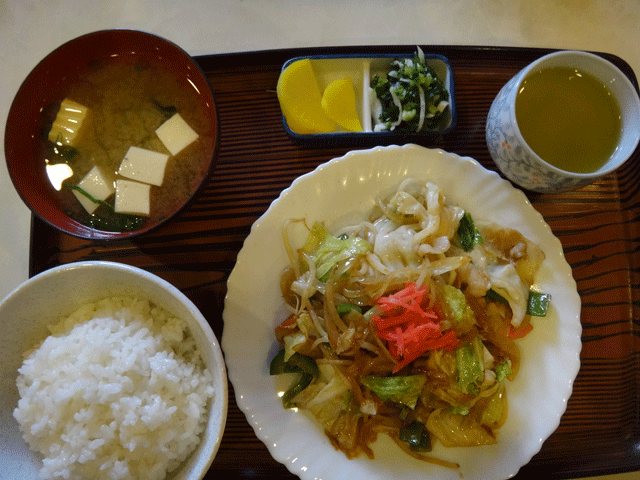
(108, 219)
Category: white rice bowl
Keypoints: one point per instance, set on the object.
(115, 387)
(106, 395)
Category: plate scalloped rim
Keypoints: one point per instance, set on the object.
(341, 191)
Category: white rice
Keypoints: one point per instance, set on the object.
(118, 391)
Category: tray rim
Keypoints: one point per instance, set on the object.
(389, 48)
(285, 53)
(270, 57)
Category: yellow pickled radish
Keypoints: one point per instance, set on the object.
(339, 103)
(300, 99)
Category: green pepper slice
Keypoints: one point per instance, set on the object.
(345, 308)
(468, 233)
(297, 363)
(416, 435)
(537, 303)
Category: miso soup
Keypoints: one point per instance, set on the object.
(126, 103)
(569, 118)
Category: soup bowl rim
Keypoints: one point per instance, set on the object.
(61, 221)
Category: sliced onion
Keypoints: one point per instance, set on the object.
(423, 107)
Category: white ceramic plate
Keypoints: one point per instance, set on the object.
(343, 190)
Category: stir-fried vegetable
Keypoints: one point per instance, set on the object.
(297, 363)
(537, 302)
(410, 98)
(326, 250)
(406, 324)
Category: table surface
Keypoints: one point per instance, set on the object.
(29, 30)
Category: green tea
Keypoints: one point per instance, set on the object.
(569, 118)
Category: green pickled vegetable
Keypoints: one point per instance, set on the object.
(411, 97)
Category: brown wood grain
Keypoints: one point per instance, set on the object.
(597, 226)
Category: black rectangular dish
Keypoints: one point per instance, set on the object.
(362, 69)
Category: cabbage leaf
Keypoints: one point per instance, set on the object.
(463, 315)
(458, 430)
(327, 397)
(326, 251)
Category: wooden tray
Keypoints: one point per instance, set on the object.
(597, 225)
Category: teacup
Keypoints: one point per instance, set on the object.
(517, 160)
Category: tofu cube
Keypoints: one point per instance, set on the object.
(96, 185)
(144, 165)
(176, 134)
(132, 197)
(68, 123)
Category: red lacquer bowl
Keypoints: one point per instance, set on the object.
(47, 83)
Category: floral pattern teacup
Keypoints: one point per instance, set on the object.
(520, 164)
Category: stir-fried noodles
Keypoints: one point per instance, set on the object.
(405, 324)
